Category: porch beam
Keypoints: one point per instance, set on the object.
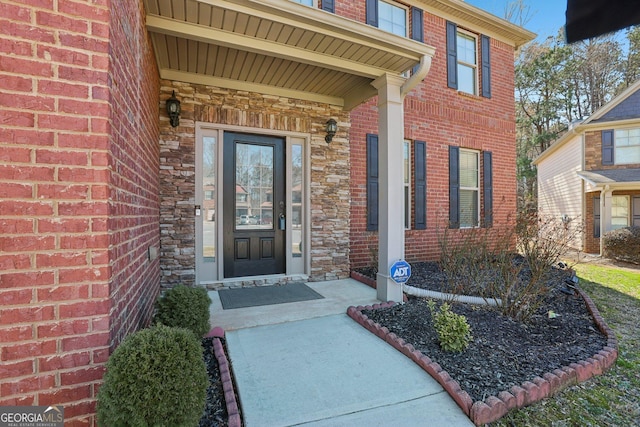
(391, 194)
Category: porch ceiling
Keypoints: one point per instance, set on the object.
(276, 47)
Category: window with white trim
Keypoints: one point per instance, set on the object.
(467, 62)
(392, 17)
(407, 184)
(627, 146)
(619, 212)
(469, 188)
(305, 2)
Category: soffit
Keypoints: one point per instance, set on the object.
(477, 20)
(276, 47)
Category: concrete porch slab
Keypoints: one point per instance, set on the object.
(338, 296)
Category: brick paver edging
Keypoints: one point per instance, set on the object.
(233, 413)
(495, 407)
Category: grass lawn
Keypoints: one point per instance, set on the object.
(612, 399)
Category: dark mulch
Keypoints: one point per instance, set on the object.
(215, 411)
(504, 352)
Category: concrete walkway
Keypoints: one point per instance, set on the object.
(317, 368)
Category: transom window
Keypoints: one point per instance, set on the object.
(619, 212)
(469, 188)
(627, 143)
(467, 62)
(392, 17)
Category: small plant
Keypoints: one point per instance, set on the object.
(623, 244)
(184, 307)
(454, 332)
(156, 377)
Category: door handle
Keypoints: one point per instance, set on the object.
(282, 222)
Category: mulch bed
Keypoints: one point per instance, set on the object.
(504, 353)
(215, 411)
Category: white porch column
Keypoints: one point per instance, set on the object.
(605, 214)
(390, 178)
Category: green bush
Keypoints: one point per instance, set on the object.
(623, 244)
(454, 333)
(185, 307)
(156, 377)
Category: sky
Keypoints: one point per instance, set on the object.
(547, 16)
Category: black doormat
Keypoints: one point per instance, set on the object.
(266, 295)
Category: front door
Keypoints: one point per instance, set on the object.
(254, 205)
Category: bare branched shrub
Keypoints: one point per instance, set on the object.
(463, 259)
(512, 264)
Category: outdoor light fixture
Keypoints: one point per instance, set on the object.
(173, 109)
(332, 128)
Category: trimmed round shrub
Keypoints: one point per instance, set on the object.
(185, 307)
(156, 377)
(623, 244)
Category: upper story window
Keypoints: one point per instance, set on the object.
(305, 2)
(627, 146)
(468, 69)
(392, 17)
(620, 147)
(467, 63)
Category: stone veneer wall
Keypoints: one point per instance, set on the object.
(329, 190)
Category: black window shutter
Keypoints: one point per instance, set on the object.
(486, 66)
(452, 55)
(329, 5)
(607, 147)
(417, 29)
(372, 12)
(420, 184)
(635, 205)
(596, 217)
(454, 187)
(487, 188)
(372, 182)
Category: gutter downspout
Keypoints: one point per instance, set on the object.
(417, 77)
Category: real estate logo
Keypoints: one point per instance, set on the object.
(31, 416)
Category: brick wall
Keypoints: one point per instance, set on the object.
(442, 117)
(591, 244)
(78, 195)
(329, 193)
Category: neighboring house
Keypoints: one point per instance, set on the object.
(592, 173)
(103, 202)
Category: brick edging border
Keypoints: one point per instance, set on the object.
(495, 407)
(234, 419)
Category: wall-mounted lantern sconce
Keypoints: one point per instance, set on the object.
(331, 128)
(173, 109)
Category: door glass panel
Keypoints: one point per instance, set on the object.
(296, 200)
(208, 211)
(254, 187)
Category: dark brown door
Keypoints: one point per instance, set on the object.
(253, 204)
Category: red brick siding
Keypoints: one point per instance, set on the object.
(442, 117)
(78, 195)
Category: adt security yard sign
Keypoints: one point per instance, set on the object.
(400, 271)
